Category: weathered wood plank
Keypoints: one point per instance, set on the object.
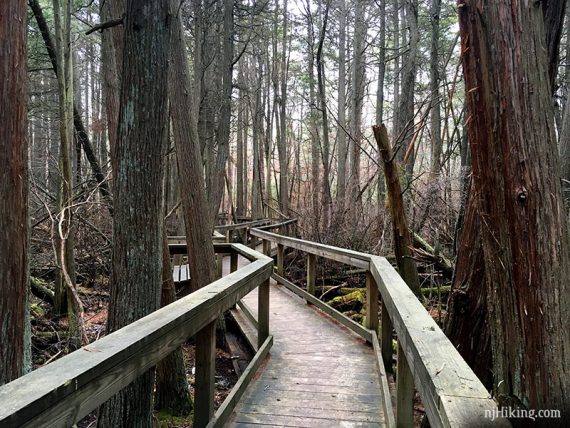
(338, 316)
(301, 421)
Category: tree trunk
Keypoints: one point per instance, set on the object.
(402, 238)
(65, 287)
(467, 325)
(137, 221)
(199, 224)
(217, 173)
(342, 146)
(14, 313)
(381, 188)
(518, 195)
(358, 85)
(436, 142)
(325, 149)
(241, 153)
(405, 125)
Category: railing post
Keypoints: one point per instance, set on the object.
(233, 261)
(262, 313)
(229, 236)
(386, 339)
(219, 264)
(371, 303)
(404, 392)
(280, 257)
(311, 273)
(205, 375)
(267, 247)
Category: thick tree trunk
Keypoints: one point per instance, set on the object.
(518, 195)
(137, 222)
(14, 330)
(467, 326)
(199, 223)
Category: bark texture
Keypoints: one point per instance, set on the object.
(137, 222)
(402, 238)
(13, 191)
(199, 224)
(518, 195)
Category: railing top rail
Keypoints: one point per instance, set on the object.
(450, 390)
(277, 225)
(349, 257)
(236, 226)
(61, 393)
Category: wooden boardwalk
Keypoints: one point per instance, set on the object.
(318, 373)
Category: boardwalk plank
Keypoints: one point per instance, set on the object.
(319, 373)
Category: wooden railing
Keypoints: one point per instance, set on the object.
(63, 392)
(452, 394)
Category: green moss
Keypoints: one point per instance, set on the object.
(167, 419)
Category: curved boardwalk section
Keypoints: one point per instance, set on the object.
(318, 374)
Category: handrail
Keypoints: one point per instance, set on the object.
(237, 226)
(349, 257)
(452, 394)
(278, 225)
(63, 392)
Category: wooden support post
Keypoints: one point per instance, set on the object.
(267, 247)
(233, 261)
(229, 236)
(386, 339)
(205, 375)
(219, 264)
(311, 273)
(246, 236)
(371, 303)
(280, 258)
(404, 392)
(262, 313)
